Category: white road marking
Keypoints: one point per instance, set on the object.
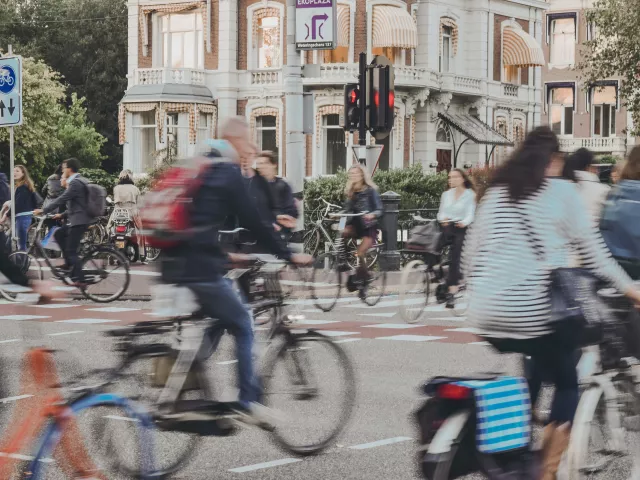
(10, 341)
(316, 322)
(260, 466)
(464, 330)
(332, 333)
(112, 309)
(391, 303)
(380, 443)
(387, 314)
(312, 301)
(412, 338)
(87, 320)
(23, 317)
(65, 333)
(64, 289)
(13, 399)
(25, 458)
(227, 362)
(56, 305)
(123, 419)
(484, 344)
(347, 340)
(398, 326)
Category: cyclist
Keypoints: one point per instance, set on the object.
(27, 200)
(457, 207)
(284, 207)
(362, 196)
(69, 236)
(199, 261)
(527, 225)
(593, 192)
(126, 196)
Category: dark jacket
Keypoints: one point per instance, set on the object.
(620, 224)
(366, 200)
(10, 270)
(75, 198)
(5, 189)
(258, 189)
(284, 204)
(221, 195)
(53, 189)
(26, 200)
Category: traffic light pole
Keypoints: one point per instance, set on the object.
(362, 127)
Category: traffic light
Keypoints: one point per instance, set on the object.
(381, 101)
(352, 103)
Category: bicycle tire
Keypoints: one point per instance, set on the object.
(325, 266)
(94, 253)
(311, 242)
(375, 287)
(152, 254)
(141, 383)
(410, 308)
(29, 265)
(293, 345)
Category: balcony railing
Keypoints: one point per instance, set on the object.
(159, 76)
(265, 77)
(509, 90)
(595, 144)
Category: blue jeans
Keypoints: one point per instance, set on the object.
(22, 225)
(219, 300)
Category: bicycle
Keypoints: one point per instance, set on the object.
(48, 421)
(417, 277)
(320, 231)
(608, 413)
(5, 77)
(326, 278)
(99, 263)
(179, 396)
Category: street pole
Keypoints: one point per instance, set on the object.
(362, 127)
(295, 146)
(12, 165)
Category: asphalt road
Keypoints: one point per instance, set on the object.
(391, 360)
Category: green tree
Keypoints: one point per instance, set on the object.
(51, 131)
(84, 40)
(615, 50)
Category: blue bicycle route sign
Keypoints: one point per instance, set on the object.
(10, 91)
(316, 24)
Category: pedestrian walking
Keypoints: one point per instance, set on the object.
(26, 201)
(456, 212)
(527, 227)
(592, 191)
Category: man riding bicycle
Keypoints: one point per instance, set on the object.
(199, 262)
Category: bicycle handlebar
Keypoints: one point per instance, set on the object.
(235, 230)
(348, 214)
(329, 204)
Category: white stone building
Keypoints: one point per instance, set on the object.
(467, 77)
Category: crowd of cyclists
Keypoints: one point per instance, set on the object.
(540, 214)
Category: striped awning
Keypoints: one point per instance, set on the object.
(393, 27)
(520, 49)
(344, 25)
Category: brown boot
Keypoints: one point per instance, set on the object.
(556, 441)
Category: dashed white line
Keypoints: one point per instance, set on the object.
(88, 320)
(380, 443)
(64, 333)
(112, 309)
(23, 317)
(393, 326)
(260, 466)
(412, 338)
(347, 340)
(227, 362)
(10, 341)
(13, 399)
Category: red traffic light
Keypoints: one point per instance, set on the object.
(376, 98)
(391, 99)
(353, 96)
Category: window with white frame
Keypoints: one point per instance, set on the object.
(603, 111)
(144, 130)
(177, 126)
(204, 128)
(563, 41)
(268, 42)
(447, 49)
(397, 56)
(266, 133)
(561, 110)
(512, 75)
(182, 40)
(335, 150)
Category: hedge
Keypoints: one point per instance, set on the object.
(100, 177)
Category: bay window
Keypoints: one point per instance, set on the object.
(144, 131)
(268, 42)
(561, 110)
(182, 41)
(562, 41)
(335, 150)
(204, 128)
(603, 113)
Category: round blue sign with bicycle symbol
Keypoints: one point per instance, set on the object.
(7, 79)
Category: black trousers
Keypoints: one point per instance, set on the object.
(454, 236)
(69, 239)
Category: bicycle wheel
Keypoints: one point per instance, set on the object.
(311, 382)
(311, 241)
(351, 246)
(414, 290)
(106, 272)
(375, 285)
(152, 254)
(326, 282)
(142, 379)
(605, 436)
(29, 265)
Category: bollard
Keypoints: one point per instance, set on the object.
(390, 254)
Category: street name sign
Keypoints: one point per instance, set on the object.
(10, 91)
(316, 24)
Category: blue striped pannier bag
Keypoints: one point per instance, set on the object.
(503, 413)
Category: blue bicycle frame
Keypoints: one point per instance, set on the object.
(53, 432)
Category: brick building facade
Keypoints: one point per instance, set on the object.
(467, 78)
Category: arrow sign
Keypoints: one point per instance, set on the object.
(314, 19)
(2, 107)
(316, 24)
(11, 107)
(10, 91)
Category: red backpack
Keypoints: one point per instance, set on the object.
(165, 212)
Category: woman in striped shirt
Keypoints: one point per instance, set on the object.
(528, 224)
